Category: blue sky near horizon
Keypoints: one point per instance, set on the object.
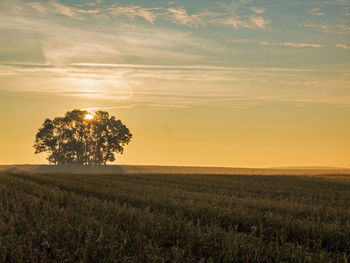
(267, 66)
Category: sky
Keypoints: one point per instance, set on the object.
(210, 83)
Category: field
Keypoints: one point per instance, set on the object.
(173, 218)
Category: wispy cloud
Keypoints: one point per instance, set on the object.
(233, 17)
(191, 85)
(343, 46)
(110, 108)
(39, 7)
(134, 11)
(258, 21)
(189, 67)
(243, 22)
(66, 10)
(176, 106)
(316, 12)
(339, 29)
(62, 51)
(180, 16)
(88, 58)
(55, 7)
(258, 10)
(290, 44)
(92, 86)
(62, 44)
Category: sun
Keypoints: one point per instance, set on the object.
(88, 116)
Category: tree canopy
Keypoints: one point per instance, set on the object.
(82, 138)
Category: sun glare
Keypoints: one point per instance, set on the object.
(88, 116)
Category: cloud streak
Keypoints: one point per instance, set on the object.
(340, 28)
(134, 11)
(290, 44)
(178, 15)
(110, 108)
(38, 7)
(316, 12)
(122, 82)
(258, 10)
(62, 45)
(86, 51)
(242, 22)
(342, 46)
(66, 10)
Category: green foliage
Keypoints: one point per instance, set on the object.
(73, 139)
(173, 218)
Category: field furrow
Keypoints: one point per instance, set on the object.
(166, 218)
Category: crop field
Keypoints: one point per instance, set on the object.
(173, 218)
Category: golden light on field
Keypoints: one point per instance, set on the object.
(88, 116)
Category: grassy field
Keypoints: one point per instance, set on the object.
(173, 218)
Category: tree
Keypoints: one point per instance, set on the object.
(82, 138)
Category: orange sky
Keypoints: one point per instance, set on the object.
(240, 83)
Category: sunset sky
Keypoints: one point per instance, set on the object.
(211, 83)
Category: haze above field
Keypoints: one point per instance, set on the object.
(228, 83)
(331, 173)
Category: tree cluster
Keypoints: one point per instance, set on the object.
(76, 139)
